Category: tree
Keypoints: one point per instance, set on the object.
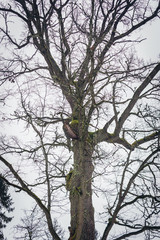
(78, 70)
(5, 203)
(33, 227)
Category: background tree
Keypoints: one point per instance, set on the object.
(5, 205)
(32, 227)
(72, 64)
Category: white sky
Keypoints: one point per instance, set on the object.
(149, 49)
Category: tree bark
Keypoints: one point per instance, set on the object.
(82, 211)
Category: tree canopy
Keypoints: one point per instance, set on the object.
(73, 64)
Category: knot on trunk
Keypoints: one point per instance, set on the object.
(71, 129)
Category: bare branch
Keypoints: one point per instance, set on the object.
(135, 98)
(30, 193)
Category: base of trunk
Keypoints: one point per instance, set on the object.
(79, 185)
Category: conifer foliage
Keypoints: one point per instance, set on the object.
(5, 206)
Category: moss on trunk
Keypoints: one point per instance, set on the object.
(82, 211)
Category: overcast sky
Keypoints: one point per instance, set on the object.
(149, 49)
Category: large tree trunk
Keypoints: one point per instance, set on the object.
(82, 211)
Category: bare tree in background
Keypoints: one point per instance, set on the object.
(72, 63)
(33, 227)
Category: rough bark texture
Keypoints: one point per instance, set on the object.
(82, 211)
